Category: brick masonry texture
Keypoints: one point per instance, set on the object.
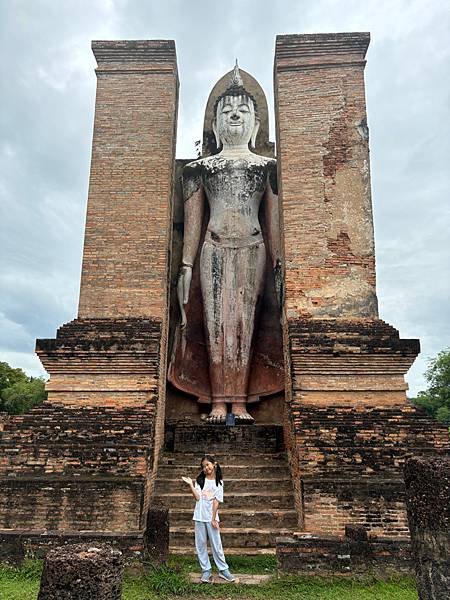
(86, 460)
(348, 427)
(311, 554)
(83, 465)
(323, 172)
(55, 456)
(128, 222)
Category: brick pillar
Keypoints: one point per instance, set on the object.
(348, 426)
(108, 366)
(128, 221)
(323, 155)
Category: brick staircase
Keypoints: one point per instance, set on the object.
(258, 501)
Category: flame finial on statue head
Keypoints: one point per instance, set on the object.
(236, 79)
(235, 88)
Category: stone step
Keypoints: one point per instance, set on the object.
(166, 485)
(241, 579)
(242, 537)
(229, 551)
(247, 500)
(226, 458)
(219, 439)
(265, 519)
(230, 471)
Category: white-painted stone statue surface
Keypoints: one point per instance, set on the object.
(233, 185)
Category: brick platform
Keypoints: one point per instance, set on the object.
(348, 426)
(333, 555)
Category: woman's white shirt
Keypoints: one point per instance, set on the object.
(204, 506)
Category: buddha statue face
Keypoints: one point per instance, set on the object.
(235, 123)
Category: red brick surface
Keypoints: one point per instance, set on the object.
(87, 459)
(324, 179)
(128, 223)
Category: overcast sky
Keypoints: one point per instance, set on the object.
(47, 103)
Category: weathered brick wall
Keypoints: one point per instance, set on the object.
(378, 505)
(347, 425)
(128, 223)
(348, 463)
(16, 545)
(87, 458)
(54, 440)
(258, 439)
(362, 442)
(326, 555)
(65, 468)
(323, 172)
(71, 505)
(126, 257)
(349, 428)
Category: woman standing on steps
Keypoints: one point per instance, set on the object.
(208, 493)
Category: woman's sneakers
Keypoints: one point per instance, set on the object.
(206, 577)
(227, 576)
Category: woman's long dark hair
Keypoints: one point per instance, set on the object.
(201, 476)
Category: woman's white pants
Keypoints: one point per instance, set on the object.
(203, 532)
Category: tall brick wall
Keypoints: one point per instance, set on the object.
(128, 222)
(86, 460)
(347, 424)
(324, 178)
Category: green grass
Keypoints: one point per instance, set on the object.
(20, 583)
(262, 565)
(172, 582)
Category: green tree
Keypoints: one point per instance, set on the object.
(10, 376)
(436, 399)
(18, 391)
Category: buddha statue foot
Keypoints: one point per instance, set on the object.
(239, 410)
(218, 413)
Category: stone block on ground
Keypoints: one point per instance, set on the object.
(156, 537)
(82, 572)
(243, 579)
(427, 482)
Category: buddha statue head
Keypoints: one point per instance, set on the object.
(235, 118)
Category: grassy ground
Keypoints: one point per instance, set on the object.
(171, 582)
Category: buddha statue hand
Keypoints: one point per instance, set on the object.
(279, 284)
(183, 287)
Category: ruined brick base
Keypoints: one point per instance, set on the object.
(332, 555)
(81, 466)
(349, 428)
(21, 543)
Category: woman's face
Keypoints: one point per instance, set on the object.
(208, 467)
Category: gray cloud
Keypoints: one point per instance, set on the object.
(48, 93)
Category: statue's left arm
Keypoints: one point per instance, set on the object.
(272, 211)
(273, 217)
(194, 198)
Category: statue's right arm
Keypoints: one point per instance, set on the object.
(193, 217)
(194, 198)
